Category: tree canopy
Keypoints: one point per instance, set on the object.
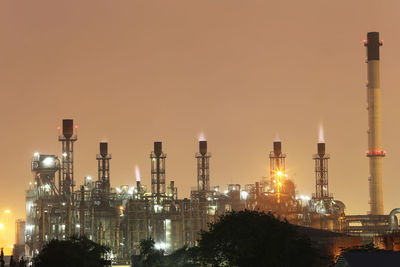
(76, 252)
(251, 238)
(239, 239)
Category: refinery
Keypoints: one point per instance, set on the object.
(58, 206)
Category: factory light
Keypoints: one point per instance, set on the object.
(7, 211)
(303, 197)
(64, 154)
(1, 226)
(161, 245)
(157, 208)
(244, 195)
(130, 191)
(48, 162)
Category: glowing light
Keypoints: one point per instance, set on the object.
(76, 126)
(158, 208)
(202, 137)
(1, 226)
(161, 245)
(244, 195)
(321, 138)
(7, 211)
(279, 173)
(48, 162)
(137, 172)
(64, 154)
(303, 197)
(88, 178)
(118, 190)
(131, 190)
(36, 154)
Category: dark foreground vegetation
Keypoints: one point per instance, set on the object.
(244, 238)
(238, 239)
(75, 252)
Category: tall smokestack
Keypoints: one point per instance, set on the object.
(321, 149)
(157, 148)
(375, 152)
(203, 147)
(277, 148)
(103, 148)
(68, 128)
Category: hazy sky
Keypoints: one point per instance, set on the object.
(241, 71)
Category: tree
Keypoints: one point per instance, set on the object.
(150, 256)
(75, 252)
(183, 257)
(250, 238)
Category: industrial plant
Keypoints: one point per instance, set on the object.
(58, 207)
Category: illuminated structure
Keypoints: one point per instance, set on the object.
(121, 217)
(375, 223)
(19, 246)
(277, 163)
(321, 174)
(375, 152)
(158, 172)
(326, 213)
(278, 193)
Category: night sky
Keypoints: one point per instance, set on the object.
(240, 71)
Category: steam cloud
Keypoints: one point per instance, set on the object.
(137, 172)
(321, 138)
(202, 137)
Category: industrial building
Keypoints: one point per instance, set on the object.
(120, 217)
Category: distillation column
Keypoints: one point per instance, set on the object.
(375, 152)
(103, 169)
(67, 166)
(67, 172)
(203, 168)
(158, 172)
(321, 173)
(277, 163)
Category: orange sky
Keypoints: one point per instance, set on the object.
(241, 71)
